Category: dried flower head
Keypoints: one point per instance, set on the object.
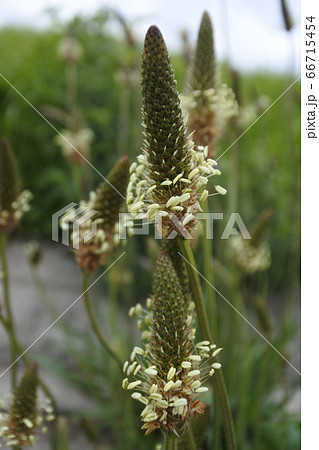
(75, 144)
(253, 255)
(105, 205)
(170, 173)
(249, 113)
(13, 202)
(168, 374)
(247, 257)
(70, 50)
(207, 104)
(24, 417)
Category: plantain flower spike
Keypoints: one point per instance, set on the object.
(13, 202)
(25, 416)
(168, 178)
(207, 104)
(168, 373)
(105, 205)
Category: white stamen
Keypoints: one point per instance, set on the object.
(220, 190)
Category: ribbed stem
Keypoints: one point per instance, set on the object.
(170, 441)
(7, 302)
(207, 250)
(19, 349)
(203, 323)
(260, 391)
(94, 323)
(191, 439)
(71, 87)
(234, 181)
(40, 287)
(216, 425)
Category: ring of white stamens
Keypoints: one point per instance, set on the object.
(168, 396)
(147, 197)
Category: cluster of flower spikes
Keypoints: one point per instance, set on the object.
(25, 416)
(168, 373)
(168, 178)
(13, 202)
(207, 104)
(106, 204)
(253, 255)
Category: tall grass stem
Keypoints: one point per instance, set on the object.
(9, 319)
(94, 323)
(203, 323)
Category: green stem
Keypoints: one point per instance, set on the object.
(8, 324)
(191, 439)
(216, 425)
(77, 179)
(43, 293)
(170, 441)
(203, 323)
(207, 249)
(260, 390)
(71, 87)
(264, 366)
(234, 184)
(19, 349)
(9, 320)
(95, 325)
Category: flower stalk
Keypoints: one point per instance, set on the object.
(9, 320)
(94, 323)
(19, 349)
(203, 323)
(13, 204)
(170, 441)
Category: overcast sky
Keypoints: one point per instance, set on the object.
(249, 32)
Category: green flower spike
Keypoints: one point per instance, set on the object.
(106, 202)
(207, 104)
(203, 74)
(18, 427)
(167, 180)
(168, 374)
(13, 202)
